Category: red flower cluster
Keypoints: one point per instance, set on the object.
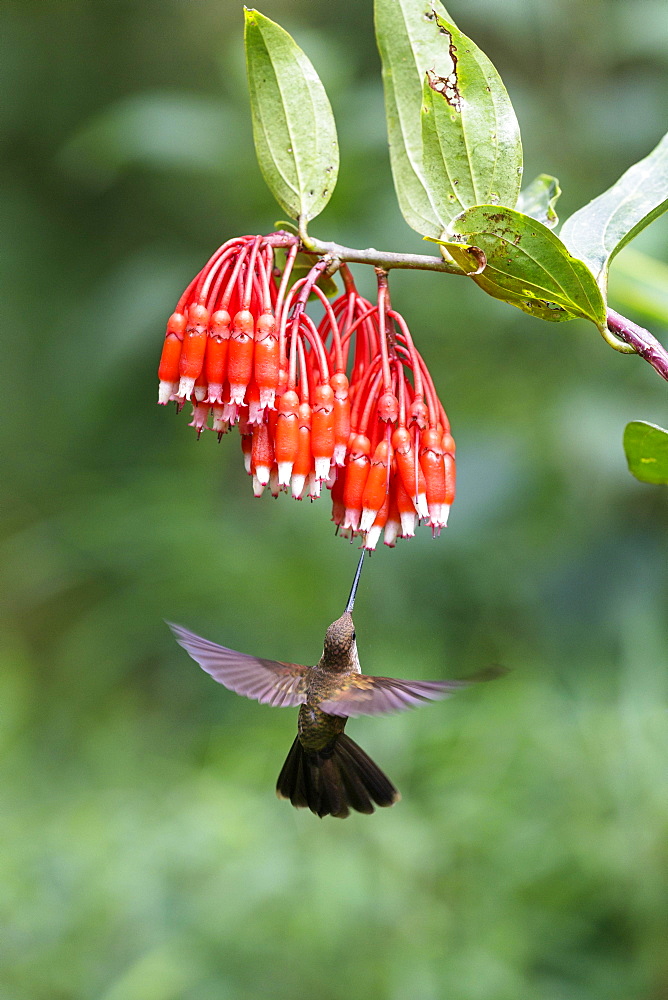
(330, 404)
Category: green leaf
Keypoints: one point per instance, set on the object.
(472, 153)
(599, 230)
(293, 124)
(646, 447)
(528, 266)
(410, 43)
(539, 198)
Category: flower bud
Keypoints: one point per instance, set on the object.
(287, 435)
(265, 359)
(262, 453)
(304, 460)
(339, 383)
(388, 407)
(194, 346)
(357, 471)
(215, 358)
(240, 355)
(433, 468)
(322, 429)
(409, 470)
(376, 486)
(168, 369)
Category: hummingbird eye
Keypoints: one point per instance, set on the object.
(354, 636)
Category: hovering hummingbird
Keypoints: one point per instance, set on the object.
(324, 770)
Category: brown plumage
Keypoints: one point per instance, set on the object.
(324, 770)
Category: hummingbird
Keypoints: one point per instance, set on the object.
(325, 770)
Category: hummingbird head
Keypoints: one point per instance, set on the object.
(340, 646)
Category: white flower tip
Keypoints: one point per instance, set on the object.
(372, 536)
(438, 515)
(186, 387)
(367, 519)
(391, 532)
(262, 473)
(215, 392)
(407, 524)
(258, 487)
(284, 473)
(339, 456)
(248, 460)
(421, 505)
(200, 393)
(255, 413)
(298, 486)
(165, 391)
(199, 417)
(230, 413)
(351, 518)
(237, 394)
(220, 424)
(267, 398)
(314, 486)
(322, 468)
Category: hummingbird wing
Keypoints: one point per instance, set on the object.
(362, 695)
(268, 681)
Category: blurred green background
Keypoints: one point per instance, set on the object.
(143, 853)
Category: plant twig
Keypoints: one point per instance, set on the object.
(641, 340)
(638, 339)
(379, 258)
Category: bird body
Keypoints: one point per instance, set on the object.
(315, 727)
(325, 770)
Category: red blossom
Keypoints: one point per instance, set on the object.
(349, 403)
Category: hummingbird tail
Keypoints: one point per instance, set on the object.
(335, 780)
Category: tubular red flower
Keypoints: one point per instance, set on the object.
(215, 358)
(348, 403)
(303, 464)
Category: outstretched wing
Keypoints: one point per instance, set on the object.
(362, 695)
(268, 681)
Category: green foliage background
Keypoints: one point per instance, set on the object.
(144, 855)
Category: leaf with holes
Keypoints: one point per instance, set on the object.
(599, 230)
(410, 43)
(646, 447)
(528, 266)
(472, 153)
(293, 124)
(539, 198)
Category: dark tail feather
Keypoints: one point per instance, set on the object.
(334, 781)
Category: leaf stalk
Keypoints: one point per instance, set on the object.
(641, 341)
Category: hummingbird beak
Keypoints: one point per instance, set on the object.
(353, 589)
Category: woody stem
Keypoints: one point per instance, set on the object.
(641, 340)
(377, 258)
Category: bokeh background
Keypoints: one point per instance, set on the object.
(144, 855)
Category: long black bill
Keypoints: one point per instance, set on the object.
(353, 589)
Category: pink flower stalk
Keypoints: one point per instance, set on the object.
(348, 403)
